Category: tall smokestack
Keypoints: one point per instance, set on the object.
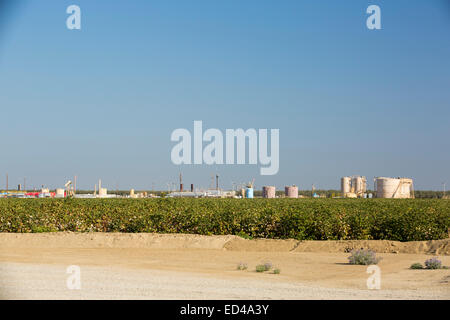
(192, 187)
(181, 187)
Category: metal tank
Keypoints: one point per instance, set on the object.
(360, 184)
(291, 191)
(268, 192)
(59, 193)
(249, 193)
(393, 187)
(345, 185)
(102, 192)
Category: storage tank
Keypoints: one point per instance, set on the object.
(360, 185)
(102, 192)
(268, 192)
(249, 193)
(59, 193)
(393, 187)
(291, 191)
(345, 185)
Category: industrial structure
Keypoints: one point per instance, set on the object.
(268, 192)
(400, 188)
(291, 191)
(354, 186)
(351, 187)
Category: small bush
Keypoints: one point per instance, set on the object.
(433, 263)
(416, 265)
(260, 268)
(363, 257)
(267, 266)
(242, 266)
(277, 271)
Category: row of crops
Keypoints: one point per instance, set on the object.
(302, 219)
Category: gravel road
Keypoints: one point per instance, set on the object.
(39, 281)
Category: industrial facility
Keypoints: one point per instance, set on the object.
(351, 187)
(354, 186)
(397, 188)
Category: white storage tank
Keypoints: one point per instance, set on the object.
(399, 188)
(59, 193)
(345, 185)
(102, 192)
(359, 184)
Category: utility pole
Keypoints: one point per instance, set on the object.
(443, 196)
(217, 182)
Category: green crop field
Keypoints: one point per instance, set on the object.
(302, 219)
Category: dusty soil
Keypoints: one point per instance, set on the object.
(176, 266)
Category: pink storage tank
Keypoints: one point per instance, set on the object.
(268, 192)
(291, 191)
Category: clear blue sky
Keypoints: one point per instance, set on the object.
(102, 102)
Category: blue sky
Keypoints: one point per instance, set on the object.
(101, 102)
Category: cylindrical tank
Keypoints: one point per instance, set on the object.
(345, 185)
(249, 193)
(393, 187)
(59, 193)
(268, 192)
(102, 192)
(406, 188)
(291, 191)
(359, 184)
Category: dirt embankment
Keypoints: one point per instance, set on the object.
(230, 243)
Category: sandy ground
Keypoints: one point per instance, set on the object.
(148, 266)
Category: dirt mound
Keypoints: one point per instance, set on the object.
(381, 246)
(441, 247)
(264, 245)
(230, 243)
(112, 240)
